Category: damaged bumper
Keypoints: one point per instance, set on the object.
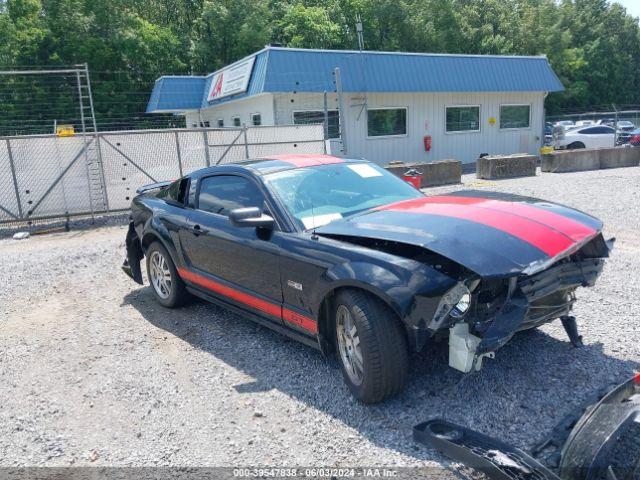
(131, 265)
(534, 298)
(602, 444)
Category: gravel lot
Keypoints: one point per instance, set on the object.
(94, 372)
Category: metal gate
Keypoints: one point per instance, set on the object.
(46, 176)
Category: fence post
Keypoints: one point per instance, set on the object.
(178, 152)
(246, 144)
(15, 179)
(205, 139)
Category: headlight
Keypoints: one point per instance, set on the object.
(454, 303)
(462, 306)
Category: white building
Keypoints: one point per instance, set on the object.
(396, 106)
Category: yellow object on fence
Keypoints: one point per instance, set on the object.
(65, 131)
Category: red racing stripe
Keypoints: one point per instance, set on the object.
(545, 238)
(567, 226)
(301, 160)
(251, 301)
(299, 320)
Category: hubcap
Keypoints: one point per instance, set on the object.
(160, 275)
(349, 345)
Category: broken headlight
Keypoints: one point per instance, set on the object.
(455, 303)
(460, 308)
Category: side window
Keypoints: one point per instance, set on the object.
(222, 193)
(597, 130)
(176, 192)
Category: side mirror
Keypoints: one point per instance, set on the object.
(250, 217)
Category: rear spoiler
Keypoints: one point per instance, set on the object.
(154, 186)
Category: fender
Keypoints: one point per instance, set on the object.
(153, 229)
(412, 290)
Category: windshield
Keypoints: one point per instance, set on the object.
(318, 195)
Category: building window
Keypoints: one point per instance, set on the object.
(220, 123)
(515, 116)
(385, 122)
(463, 119)
(317, 116)
(235, 121)
(205, 124)
(256, 119)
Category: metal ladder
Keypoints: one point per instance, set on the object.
(98, 200)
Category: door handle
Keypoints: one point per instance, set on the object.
(197, 230)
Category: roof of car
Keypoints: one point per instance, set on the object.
(276, 163)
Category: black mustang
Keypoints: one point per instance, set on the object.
(342, 255)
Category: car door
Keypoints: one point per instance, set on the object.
(239, 265)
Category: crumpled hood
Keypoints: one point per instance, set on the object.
(492, 234)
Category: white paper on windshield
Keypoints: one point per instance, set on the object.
(364, 170)
(319, 220)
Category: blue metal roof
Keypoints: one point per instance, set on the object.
(176, 94)
(283, 70)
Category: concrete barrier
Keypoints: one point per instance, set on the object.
(507, 166)
(562, 161)
(590, 159)
(619, 157)
(442, 172)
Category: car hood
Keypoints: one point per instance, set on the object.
(492, 234)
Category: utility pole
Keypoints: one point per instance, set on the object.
(359, 33)
(343, 121)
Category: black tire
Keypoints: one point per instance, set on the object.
(177, 294)
(383, 346)
(576, 146)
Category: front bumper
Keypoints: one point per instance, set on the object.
(534, 300)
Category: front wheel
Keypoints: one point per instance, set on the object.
(371, 346)
(167, 286)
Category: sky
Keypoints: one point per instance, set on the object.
(632, 6)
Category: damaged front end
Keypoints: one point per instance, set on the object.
(497, 308)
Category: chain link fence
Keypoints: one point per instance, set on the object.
(50, 177)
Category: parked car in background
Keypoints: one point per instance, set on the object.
(594, 136)
(564, 123)
(635, 138)
(609, 122)
(625, 126)
(585, 123)
(548, 134)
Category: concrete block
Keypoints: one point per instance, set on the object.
(507, 166)
(619, 157)
(579, 160)
(442, 172)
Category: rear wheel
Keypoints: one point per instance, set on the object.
(575, 146)
(167, 287)
(371, 346)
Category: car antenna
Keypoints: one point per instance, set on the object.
(314, 236)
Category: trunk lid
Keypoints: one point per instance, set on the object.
(492, 234)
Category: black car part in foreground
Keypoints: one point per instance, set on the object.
(344, 256)
(603, 443)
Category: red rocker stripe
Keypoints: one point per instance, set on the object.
(256, 303)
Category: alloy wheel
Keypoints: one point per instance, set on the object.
(160, 275)
(349, 345)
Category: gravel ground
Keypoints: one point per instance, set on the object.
(94, 372)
